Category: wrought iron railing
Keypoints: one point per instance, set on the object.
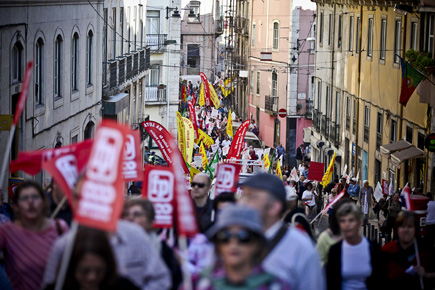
(316, 120)
(366, 134)
(156, 42)
(378, 140)
(271, 104)
(154, 94)
(347, 123)
(324, 126)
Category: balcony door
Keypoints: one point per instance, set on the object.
(153, 27)
(151, 83)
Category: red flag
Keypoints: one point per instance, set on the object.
(385, 187)
(102, 191)
(237, 144)
(337, 198)
(316, 171)
(31, 161)
(24, 92)
(132, 161)
(192, 115)
(407, 194)
(164, 141)
(206, 90)
(159, 188)
(227, 177)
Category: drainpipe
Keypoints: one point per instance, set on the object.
(358, 89)
(168, 69)
(405, 18)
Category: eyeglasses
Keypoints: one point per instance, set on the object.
(242, 236)
(33, 197)
(200, 185)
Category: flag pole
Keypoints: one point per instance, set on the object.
(66, 256)
(417, 255)
(6, 154)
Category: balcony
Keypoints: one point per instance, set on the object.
(334, 133)
(366, 134)
(219, 27)
(156, 42)
(309, 109)
(154, 94)
(316, 120)
(271, 105)
(324, 126)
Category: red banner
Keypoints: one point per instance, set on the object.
(237, 144)
(24, 92)
(206, 90)
(164, 140)
(227, 177)
(159, 188)
(102, 191)
(385, 187)
(132, 162)
(31, 161)
(192, 115)
(315, 171)
(64, 170)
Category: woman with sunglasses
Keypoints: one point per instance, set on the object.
(239, 243)
(27, 241)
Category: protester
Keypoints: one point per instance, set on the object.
(306, 170)
(222, 200)
(331, 197)
(404, 270)
(204, 205)
(297, 264)
(239, 242)
(28, 240)
(354, 190)
(55, 198)
(300, 154)
(6, 208)
(309, 199)
(328, 188)
(341, 186)
(365, 199)
(142, 212)
(391, 208)
(354, 262)
(92, 264)
(280, 151)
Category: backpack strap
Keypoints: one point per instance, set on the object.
(276, 239)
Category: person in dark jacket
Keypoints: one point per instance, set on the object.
(203, 204)
(354, 262)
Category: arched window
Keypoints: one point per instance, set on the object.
(89, 57)
(39, 69)
(275, 35)
(89, 130)
(58, 62)
(17, 63)
(75, 62)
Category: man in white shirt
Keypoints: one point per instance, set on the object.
(291, 254)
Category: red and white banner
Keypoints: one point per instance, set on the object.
(164, 141)
(237, 144)
(227, 178)
(102, 191)
(132, 162)
(406, 192)
(385, 187)
(31, 161)
(206, 89)
(328, 206)
(159, 188)
(193, 118)
(24, 92)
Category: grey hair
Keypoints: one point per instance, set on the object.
(349, 208)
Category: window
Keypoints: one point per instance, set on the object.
(414, 31)
(276, 140)
(113, 33)
(383, 42)
(370, 38)
(328, 103)
(253, 34)
(319, 96)
(39, 72)
(89, 57)
(420, 141)
(251, 87)
(17, 63)
(409, 134)
(58, 67)
(330, 29)
(340, 30)
(195, 6)
(74, 139)
(258, 83)
(105, 46)
(274, 84)
(337, 107)
(355, 112)
(351, 23)
(152, 78)
(75, 62)
(380, 123)
(367, 116)
(430, 29)
(348, 106)
(153, 28)
(193, 59)
(358, 27)
(397, 40)
(321, 29)
(275, 35)
(393, 133)
(378, 170)
(141, 26)
(121, 28)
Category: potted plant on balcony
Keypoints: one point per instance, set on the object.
(161, 86)
(422, 61)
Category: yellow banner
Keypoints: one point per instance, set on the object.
(266, 161)
(328, 174)
(230, 125)
(205, 138)
(204, 155)
(213, 96)
(193, 172)
(189, 136)
(180, 135)
(201, 95)
(278, 170)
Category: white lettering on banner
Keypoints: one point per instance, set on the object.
(225, 178)
(67, 165)
(129, 167)
(161, 194)
(96, 202)
(102, 166)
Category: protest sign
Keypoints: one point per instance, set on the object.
(214, 113)
(227, 177)
(237, 143)
(315, 171)
(378, 192)
(385, 187)
(132, 161)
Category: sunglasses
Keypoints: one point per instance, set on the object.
(200, 185)
(242, 236)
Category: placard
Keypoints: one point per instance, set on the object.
(315, 171)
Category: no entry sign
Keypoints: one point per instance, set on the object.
(282, 113)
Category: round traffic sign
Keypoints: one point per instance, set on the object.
(282, 113)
